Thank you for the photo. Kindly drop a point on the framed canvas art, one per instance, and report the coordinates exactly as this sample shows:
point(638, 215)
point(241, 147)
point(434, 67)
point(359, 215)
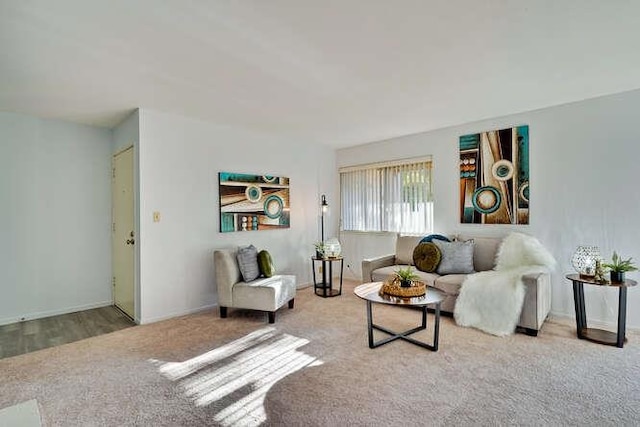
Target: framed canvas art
point(253, 202)
point(494, 177)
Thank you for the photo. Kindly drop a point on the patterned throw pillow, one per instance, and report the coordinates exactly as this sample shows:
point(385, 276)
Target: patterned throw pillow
point(248, 263)
point(457, 257)
point(426, 257)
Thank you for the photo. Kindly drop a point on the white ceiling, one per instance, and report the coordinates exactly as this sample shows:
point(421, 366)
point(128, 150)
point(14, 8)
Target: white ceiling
point(340, 72)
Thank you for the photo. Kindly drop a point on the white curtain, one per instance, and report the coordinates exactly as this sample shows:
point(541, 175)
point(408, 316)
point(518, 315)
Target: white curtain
point(392, 197)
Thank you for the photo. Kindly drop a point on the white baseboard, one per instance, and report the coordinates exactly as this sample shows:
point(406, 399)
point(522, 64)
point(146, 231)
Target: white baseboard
point(177, 314)
point(592, 323)
point(49, 313)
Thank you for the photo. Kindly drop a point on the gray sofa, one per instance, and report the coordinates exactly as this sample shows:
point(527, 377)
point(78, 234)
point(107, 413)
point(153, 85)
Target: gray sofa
point(537, 302)
point(265, 294)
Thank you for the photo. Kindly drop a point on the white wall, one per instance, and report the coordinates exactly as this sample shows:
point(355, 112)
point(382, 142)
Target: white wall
point(55, 217)
point(583, 160)
point(179, 163)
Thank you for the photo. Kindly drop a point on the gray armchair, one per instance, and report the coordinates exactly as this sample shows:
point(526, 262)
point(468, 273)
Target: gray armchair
point(264, 294)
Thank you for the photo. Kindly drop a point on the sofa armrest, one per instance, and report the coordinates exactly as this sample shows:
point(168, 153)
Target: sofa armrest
point(537, 300)
point(370, 264)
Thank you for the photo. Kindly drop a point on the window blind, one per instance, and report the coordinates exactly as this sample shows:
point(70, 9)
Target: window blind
point(393, 196)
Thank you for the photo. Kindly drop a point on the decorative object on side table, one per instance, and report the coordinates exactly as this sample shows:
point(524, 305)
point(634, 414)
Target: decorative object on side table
point(584, 260)
point(618, 266)
point(599, 274)
point(319, 249)
point(332, 248)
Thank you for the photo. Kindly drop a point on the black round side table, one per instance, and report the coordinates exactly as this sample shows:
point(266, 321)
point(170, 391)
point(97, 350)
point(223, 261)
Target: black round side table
point(325, 287)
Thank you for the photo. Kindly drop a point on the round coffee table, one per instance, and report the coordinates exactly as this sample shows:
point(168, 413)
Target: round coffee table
point(370, 292)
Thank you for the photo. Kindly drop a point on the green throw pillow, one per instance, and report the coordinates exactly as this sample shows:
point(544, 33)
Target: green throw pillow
point(265, 263)
point(426, 257)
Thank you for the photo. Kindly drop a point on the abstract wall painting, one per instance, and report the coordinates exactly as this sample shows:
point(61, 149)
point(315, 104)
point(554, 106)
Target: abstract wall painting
point(253, 202)
point(494, 177)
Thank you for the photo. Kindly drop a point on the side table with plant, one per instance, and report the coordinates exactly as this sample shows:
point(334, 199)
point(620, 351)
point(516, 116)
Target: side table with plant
point(618, 266)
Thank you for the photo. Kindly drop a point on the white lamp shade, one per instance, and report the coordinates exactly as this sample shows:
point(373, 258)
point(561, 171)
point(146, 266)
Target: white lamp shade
point(584, 259)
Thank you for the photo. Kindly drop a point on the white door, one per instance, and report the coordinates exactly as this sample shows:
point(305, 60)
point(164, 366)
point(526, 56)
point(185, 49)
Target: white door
point(123, 234)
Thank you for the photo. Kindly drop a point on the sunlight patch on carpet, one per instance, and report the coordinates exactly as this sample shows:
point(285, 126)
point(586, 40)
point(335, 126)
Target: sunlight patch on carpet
point(236, 377)
point(25, 414)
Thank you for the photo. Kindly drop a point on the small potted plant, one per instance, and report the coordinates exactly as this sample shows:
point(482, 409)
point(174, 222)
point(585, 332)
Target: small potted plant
point(406, 276)
point(618, 267)
point(319, 249)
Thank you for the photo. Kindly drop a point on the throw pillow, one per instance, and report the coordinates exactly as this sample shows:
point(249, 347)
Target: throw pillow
point(432, 237)
point(248, 263)
point(457, 257)
point(426, 257)
point(265, 263)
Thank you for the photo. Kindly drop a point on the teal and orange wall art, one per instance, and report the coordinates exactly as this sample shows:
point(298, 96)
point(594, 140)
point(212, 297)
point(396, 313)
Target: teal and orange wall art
point(494, 177)
point(253, 202)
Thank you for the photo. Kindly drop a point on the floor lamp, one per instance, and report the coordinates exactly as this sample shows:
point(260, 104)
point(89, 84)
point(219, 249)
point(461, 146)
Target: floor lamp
point(324, 207)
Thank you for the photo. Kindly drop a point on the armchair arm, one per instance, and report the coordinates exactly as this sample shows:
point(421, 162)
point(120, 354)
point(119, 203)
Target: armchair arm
point(370, 264)
point(227, 274)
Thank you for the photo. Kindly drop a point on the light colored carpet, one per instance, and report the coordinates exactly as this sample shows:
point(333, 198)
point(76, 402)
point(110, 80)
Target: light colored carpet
point(313, 367)
point(23, 414)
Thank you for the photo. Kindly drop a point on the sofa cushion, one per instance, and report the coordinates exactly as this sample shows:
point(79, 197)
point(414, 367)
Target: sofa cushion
point(248, 263)
point(484, 252)
point(457, 257)
point(450, 284)
point(386, 273)
point(404, 249)
point(426, 257)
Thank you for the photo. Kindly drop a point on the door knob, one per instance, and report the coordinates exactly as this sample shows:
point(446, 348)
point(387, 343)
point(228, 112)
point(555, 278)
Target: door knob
point(130, 241)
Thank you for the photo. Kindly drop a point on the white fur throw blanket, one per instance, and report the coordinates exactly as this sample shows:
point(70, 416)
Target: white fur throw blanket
point(492, 300)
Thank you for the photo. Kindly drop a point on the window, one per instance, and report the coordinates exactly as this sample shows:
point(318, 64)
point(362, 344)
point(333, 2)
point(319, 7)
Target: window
point(393, 196)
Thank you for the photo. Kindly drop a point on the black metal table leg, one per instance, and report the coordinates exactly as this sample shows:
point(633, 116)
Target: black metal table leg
point(370, 324)
point(405, 334)
point(578, 298)
point(622, 315)
point(436, 328)
point(341, 271)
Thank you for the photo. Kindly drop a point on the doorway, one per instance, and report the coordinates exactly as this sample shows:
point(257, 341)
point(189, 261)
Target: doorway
point(123, 236)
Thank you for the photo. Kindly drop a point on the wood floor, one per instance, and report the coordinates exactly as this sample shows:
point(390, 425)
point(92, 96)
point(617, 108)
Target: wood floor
point(31, 335)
